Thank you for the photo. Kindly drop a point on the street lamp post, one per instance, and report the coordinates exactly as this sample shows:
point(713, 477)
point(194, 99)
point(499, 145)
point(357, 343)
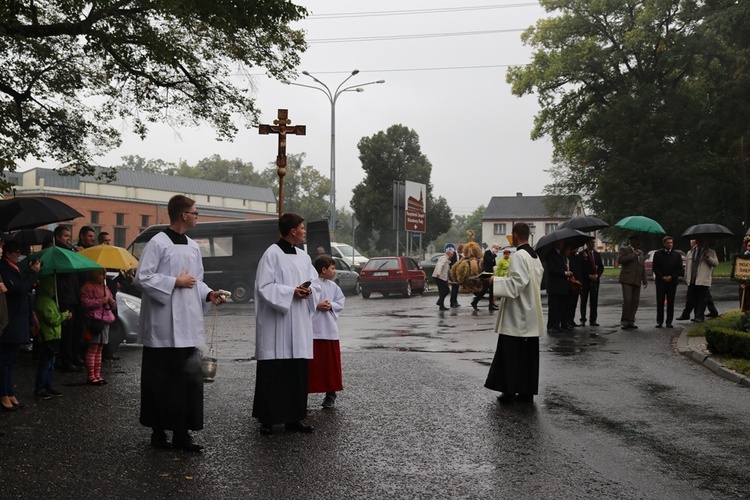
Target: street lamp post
point(332, 98)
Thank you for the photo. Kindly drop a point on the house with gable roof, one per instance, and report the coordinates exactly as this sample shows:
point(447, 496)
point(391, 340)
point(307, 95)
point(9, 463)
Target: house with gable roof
point(503, 212)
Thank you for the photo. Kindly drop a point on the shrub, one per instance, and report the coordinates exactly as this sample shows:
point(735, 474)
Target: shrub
point(727, 341)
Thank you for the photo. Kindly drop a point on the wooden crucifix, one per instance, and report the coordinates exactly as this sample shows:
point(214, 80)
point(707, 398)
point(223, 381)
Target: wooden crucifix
point(281, 126)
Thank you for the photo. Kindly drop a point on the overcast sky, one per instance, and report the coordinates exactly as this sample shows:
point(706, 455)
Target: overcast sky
point(449, 88)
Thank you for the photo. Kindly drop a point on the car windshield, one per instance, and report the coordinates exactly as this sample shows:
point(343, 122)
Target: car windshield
point(384, 264)
point(348, 250)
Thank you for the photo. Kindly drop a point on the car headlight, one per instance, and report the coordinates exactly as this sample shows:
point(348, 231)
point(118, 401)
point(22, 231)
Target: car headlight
point(132, 303)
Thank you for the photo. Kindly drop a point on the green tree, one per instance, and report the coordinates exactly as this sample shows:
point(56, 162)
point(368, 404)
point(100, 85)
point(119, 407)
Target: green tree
point(215, 168)
point(140, 164)
point(70, 68)
point(393, 155)
point(636, 97)
point(306, 190)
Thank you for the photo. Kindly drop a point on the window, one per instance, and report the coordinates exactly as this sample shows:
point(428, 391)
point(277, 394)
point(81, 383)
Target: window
point(549, 227)
point(94, 217)
point(499, 229)
point(120, 220)
point(120, 233)
point(144, 220)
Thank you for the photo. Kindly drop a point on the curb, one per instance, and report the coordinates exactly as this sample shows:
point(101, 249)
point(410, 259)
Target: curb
point(687, 346)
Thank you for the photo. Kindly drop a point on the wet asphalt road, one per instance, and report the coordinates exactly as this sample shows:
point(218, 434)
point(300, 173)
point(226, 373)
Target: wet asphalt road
point(619, 415)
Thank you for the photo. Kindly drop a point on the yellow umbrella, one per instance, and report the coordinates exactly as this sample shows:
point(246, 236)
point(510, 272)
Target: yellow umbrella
point(110, 257)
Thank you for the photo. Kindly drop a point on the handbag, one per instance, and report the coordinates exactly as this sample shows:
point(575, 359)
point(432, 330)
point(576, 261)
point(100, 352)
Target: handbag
point(96, 326)
point(574, 286)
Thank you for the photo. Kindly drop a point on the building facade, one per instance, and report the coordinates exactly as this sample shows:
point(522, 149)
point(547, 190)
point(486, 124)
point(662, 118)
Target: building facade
point(503, 212)
point(136, 200)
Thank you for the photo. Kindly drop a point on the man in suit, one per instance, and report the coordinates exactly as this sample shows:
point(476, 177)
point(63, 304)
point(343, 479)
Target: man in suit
point(592, 267)
point(701, 261)
point(632, 274)
point(488, 266)
point(667, 268)
point(556, 267)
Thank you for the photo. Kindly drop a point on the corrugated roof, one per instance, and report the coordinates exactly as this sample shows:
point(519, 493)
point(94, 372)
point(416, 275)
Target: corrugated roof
point(523, 207)
point(161, 182)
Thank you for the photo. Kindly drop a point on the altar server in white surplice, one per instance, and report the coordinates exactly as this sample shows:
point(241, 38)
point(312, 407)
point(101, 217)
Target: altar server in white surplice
point(174, 300)
point(285, 300)
point(520, 323)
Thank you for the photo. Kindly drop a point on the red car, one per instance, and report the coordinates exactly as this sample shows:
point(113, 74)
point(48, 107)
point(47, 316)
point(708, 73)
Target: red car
point(649, 264)
point(392, 275)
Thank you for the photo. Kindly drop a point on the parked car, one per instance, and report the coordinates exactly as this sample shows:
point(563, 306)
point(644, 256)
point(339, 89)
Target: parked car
point(392, 275)
point(649, 264)
point(345, 278)
point(125, 327)
point(428, 266)
point(348, 253)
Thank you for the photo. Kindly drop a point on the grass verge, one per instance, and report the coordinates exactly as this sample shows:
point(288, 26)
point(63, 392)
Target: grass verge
point(726, 320)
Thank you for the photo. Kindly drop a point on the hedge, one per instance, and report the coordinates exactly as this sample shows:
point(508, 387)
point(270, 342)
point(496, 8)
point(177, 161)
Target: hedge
point(728, 342)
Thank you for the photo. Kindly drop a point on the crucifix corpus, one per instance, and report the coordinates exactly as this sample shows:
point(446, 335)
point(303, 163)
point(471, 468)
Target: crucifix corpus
point(281, 126)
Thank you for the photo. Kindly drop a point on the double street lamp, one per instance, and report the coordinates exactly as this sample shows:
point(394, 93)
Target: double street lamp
point(332, 98)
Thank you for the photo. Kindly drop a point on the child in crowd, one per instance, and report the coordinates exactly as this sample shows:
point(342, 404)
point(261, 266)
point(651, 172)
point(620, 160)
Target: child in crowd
point(99, 305)
point(50, 321)
point(324, 370)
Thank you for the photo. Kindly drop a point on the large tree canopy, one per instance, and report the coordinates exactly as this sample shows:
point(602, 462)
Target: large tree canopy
point(70, 68)
point(393, 155)
point(645, 102)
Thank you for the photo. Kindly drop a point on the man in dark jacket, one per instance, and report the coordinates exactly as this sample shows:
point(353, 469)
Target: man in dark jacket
point(592, 267)
point(556, 268)
point(667, 267)
point(488, 266)
point(68, 296)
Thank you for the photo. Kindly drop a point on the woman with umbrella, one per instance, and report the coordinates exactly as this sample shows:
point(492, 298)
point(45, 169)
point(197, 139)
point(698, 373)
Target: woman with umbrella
point(19, 319)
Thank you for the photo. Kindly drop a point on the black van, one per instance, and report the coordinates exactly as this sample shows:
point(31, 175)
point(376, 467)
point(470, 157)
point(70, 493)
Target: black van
point(231, 250)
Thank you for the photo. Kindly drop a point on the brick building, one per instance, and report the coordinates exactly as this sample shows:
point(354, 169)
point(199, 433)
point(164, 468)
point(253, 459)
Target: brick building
point(137, 200)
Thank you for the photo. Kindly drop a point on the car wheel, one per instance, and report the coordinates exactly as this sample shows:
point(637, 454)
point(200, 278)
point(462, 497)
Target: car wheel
point(240, 292)
point(407, 291)
point(357, 288)
point(365, 294)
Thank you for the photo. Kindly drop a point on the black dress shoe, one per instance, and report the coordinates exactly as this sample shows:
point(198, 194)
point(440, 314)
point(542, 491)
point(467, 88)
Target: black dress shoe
point(266, 430)
point(299, 427)
point(506, 398)
point(493, 308)
point(455, 305)
point(525, 398)
point(658, 325)
point(683, 318)
point(669, 325)
point(594, 324)
point(443, 308)
point(159, 440)
point(474, 305)
point(712, 315)
point(185, 442)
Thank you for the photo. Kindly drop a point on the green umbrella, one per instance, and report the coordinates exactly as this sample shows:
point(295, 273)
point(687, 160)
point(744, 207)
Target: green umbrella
point(641, 224)
point(56, 260)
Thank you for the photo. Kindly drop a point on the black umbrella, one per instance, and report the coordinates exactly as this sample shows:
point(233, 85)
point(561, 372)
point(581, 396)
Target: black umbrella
point(584, 223)
point(572, 237)
point(30, 212)
point(708, 230)
point(34, 236)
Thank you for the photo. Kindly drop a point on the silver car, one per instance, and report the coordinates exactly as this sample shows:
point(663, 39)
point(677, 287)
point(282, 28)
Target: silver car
point(125, 327)
point(345, 278)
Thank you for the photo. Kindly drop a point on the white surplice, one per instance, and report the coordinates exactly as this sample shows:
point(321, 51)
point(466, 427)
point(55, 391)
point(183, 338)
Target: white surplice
point(171, 317)
point(283, 322)
point(520, 313)
point(325, 325)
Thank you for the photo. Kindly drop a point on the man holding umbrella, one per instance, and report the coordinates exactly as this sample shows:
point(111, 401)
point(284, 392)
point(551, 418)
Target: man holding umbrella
point(701, 261)
point(632, 274)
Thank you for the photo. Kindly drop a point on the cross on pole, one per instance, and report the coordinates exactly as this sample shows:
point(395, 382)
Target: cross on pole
point(281, 126)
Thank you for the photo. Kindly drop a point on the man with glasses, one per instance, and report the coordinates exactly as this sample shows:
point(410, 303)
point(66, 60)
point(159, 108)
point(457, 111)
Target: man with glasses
point(174, 301)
